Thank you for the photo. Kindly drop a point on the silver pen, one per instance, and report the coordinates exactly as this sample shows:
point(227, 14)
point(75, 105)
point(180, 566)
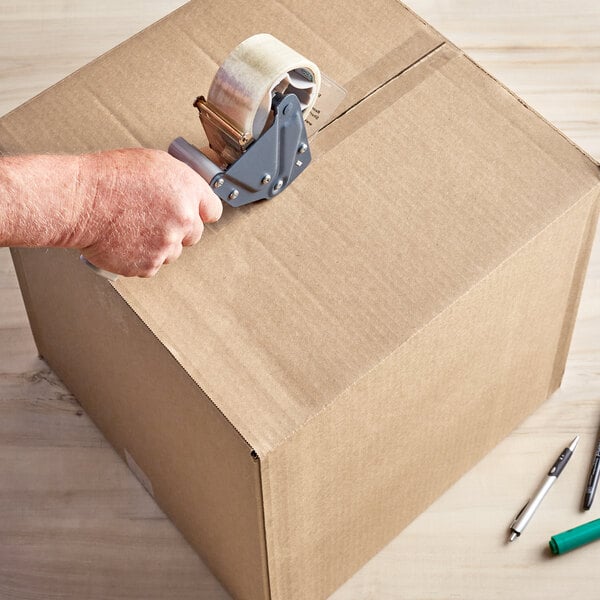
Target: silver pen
point(525, 514)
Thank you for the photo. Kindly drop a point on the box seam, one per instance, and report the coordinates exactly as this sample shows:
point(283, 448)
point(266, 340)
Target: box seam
point(388, 81)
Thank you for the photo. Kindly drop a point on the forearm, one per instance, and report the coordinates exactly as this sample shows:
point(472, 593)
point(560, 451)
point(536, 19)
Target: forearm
point(129, 211)
point(41, 201)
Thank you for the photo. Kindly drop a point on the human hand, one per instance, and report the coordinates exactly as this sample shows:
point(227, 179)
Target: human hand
point(139, 208)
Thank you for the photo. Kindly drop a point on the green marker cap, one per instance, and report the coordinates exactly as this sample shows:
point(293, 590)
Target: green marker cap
point(573, 538)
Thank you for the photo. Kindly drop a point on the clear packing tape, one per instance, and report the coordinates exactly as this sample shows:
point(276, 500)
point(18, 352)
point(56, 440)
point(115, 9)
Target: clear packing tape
point(244, 85)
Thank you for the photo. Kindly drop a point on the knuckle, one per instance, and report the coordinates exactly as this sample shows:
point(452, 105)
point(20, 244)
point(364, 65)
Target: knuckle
point(198, 235)
point(180, 214)
point(169, 238)
point(156, 263)
point(150, 266)
point(188, 218)
point(194, 234)
point(171, 259)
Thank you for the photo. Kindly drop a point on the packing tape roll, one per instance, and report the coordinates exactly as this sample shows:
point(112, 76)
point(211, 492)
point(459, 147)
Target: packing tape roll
point(245, 83)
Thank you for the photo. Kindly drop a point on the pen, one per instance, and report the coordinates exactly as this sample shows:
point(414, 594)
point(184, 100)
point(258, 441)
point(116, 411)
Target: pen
point(525, 514)
point(592, 484)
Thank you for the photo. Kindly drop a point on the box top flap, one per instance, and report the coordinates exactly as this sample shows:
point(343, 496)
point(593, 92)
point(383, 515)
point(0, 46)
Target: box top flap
point(431, 177)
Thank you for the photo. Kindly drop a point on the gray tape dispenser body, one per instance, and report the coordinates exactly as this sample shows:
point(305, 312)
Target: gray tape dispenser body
point(265, 167)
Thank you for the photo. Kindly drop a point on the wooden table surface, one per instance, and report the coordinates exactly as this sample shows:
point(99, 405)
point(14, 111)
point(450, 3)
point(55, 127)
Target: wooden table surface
point(74, 522)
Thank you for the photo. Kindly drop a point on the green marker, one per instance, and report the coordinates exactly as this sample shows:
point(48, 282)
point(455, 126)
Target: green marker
point(573, 538)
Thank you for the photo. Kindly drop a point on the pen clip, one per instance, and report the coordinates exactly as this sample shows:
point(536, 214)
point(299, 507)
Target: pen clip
point(520, 512)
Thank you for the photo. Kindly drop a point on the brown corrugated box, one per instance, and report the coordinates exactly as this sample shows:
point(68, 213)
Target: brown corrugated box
point(311, 376)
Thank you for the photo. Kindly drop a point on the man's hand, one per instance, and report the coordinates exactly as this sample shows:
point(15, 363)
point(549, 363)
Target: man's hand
point(129, 211)
point(141, 208)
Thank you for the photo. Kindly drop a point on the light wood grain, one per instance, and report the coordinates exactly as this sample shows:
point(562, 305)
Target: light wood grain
point(75, 524)
point(548, 51)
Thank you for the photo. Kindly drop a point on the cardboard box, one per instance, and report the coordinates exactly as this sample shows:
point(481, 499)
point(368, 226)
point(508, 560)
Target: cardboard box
point(310, 377)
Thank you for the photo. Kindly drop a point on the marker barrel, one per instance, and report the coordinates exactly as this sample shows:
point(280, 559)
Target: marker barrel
point(576, 537)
